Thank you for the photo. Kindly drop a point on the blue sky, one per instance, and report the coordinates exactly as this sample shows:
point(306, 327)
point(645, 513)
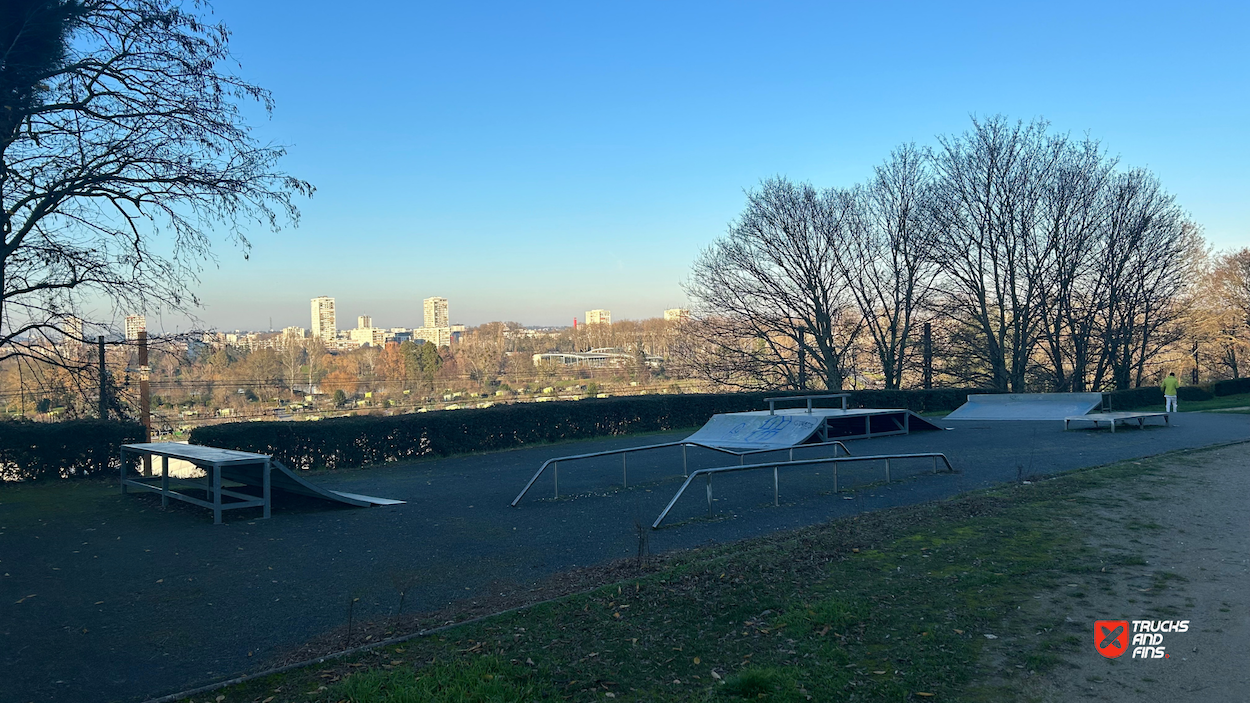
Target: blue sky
point(532, 161)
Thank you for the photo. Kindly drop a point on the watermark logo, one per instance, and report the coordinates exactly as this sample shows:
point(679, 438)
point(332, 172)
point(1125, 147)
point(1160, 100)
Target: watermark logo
point(1111, 637)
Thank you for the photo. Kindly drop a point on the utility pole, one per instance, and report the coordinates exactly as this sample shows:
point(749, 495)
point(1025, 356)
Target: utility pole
point(1194, 349)
point(145, 400)
point(802, 360)
point(928, 356)
point(104, 383)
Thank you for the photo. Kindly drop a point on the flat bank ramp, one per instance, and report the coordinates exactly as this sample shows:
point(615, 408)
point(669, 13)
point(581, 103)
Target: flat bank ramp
point(1026, 406)
point(762, 429)
point(283, 479)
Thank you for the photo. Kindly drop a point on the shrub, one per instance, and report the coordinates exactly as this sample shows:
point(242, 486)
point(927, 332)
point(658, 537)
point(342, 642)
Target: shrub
point(32, 451)
point(1135, 398)
point(1233, 386)
point(1192, 393)
point(361, 441)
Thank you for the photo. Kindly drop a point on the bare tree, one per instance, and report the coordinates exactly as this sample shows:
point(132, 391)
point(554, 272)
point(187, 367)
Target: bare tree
point(1148, 258)
point(122, 148)
point(1073, 223)
point(886, 256)
point(988, 200)
point(771, 283)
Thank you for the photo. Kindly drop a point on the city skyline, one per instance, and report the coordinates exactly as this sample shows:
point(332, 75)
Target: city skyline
point(528, 138)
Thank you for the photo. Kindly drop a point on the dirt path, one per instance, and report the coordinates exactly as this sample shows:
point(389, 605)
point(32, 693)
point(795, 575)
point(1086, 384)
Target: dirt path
point(1176, 546)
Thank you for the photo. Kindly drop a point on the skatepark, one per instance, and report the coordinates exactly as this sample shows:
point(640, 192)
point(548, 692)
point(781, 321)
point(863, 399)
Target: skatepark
point(149, 602)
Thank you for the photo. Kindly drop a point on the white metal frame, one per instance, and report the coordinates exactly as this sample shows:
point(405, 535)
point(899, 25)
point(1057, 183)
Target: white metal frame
point(212, 463)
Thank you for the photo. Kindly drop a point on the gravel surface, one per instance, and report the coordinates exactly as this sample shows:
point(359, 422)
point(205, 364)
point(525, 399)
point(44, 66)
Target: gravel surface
point(1191, 527)
point(131, 602)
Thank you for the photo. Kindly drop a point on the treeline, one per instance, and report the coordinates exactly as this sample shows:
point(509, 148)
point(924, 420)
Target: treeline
point(1038, 261)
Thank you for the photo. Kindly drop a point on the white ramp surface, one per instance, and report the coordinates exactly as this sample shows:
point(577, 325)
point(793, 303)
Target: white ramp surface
point(757, 431)
point(1026, 406)
point(782, 429)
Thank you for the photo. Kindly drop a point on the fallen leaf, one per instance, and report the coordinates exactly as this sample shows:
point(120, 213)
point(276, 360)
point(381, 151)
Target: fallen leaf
point(878, 672)
point(922, 693)
point(959, 632)
point(697, 661)
point(991, 637)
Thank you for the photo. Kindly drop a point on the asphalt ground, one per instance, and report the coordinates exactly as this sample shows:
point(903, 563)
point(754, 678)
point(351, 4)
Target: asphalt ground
point(126, 601)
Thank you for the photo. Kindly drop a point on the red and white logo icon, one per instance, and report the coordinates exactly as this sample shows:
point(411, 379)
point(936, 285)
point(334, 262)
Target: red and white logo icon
point(1111, 637)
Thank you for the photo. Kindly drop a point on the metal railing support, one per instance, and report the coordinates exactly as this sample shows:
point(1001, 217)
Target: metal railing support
point(686, 472)
point(707, 474)
point(741, 454)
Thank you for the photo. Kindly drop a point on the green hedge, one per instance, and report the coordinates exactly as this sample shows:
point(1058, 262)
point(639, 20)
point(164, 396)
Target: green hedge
point(361, 441)
point(32, 451)
point(1135, 398)
point(1233, 386)
point(1152, 396)
point(1192, 393)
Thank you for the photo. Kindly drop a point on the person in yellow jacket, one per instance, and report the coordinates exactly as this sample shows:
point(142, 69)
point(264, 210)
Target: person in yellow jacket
point(1169, 386)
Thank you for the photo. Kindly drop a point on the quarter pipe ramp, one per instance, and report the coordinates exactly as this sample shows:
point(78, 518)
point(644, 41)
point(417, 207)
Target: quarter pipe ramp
point(283, 479)
point(1026, 406)
point(782, 429)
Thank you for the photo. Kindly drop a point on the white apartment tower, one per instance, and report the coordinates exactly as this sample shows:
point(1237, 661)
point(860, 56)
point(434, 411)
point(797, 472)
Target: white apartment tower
point(364, 322)
point(598, 317)
point(134, 325)
point(436, 313)
point(323, 325)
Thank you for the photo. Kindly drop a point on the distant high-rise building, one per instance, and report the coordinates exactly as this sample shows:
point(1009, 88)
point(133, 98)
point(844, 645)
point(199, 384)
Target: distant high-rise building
point(674, 314)
point(364, 322)
point(598, 317)
point(323, 324)
point(73, 329)
point(134, 325)
point(436, 313)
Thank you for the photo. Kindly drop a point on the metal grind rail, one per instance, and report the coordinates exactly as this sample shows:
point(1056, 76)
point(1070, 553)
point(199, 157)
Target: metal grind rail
point(707, 473)
point(555, 463)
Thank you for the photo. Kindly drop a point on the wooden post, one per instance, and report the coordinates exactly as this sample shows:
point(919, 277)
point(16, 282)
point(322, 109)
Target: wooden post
point(928, 356)
point(104, 382)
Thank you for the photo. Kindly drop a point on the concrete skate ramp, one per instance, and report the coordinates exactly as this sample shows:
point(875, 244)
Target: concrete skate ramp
point(1026, 406)
point(790, 428)
point(283, 479)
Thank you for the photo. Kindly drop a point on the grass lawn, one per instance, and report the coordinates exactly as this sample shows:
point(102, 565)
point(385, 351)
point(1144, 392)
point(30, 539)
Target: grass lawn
point(888, 606)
